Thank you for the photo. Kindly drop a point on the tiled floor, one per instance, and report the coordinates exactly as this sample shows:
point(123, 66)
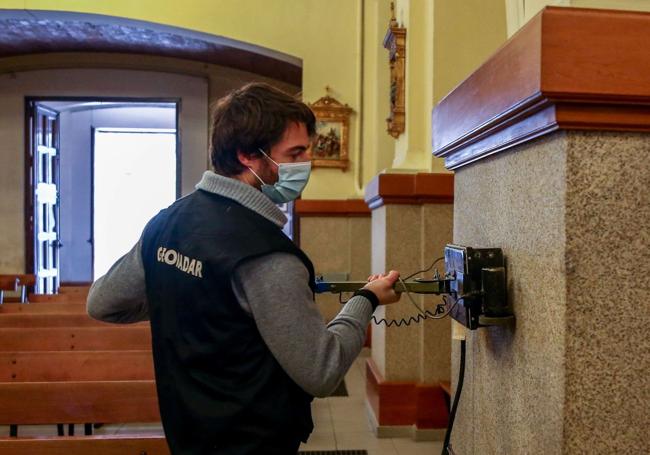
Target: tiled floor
point(341, 423)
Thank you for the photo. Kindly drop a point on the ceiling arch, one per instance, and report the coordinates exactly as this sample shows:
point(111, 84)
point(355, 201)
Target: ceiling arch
point(36, 32)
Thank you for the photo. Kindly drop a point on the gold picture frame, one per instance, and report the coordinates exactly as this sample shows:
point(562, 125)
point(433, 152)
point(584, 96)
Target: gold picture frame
point(330, 146)
point(395, 43)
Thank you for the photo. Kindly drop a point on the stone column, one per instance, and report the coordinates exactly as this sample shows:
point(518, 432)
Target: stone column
point(571, 211)
point(335, 234)
point(411, 223)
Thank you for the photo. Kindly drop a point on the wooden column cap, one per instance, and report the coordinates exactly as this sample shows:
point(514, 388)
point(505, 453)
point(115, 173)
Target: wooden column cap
point(332, 207)
point(414, 189)
point(568, 68)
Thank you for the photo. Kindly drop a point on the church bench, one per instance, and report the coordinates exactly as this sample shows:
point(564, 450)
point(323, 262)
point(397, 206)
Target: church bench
point(74, 290)
point(7, 283)
point(62, 366)
point(45, 307)
point(57, 298)
point(37, 319)
point(22, 283)
point(78, 402)
point(95, 445)
point(104, 338)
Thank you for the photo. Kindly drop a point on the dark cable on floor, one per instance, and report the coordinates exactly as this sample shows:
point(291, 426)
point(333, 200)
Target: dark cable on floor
point(459, 387)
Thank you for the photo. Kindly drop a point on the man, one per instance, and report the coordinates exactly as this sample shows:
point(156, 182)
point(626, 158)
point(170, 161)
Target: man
point(239, 346)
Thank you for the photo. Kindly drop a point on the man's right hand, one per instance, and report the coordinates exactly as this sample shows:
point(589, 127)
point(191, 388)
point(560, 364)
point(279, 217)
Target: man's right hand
point(382, 286)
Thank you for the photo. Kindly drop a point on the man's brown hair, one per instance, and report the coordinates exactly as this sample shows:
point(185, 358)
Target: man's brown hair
point(250, 118)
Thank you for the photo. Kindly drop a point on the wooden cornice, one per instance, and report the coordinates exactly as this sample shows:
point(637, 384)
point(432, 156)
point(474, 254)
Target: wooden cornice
point(331, 208)
point(568, 68)
point(412, 189)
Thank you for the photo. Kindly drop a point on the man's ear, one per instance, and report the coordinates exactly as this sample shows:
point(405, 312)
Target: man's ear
point(245, 159)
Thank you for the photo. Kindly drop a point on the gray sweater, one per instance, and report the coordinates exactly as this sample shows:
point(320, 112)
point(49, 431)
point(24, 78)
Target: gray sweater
point(272, 289)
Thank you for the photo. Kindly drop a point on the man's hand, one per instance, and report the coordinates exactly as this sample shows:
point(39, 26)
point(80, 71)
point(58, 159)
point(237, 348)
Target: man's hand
point(382, 286)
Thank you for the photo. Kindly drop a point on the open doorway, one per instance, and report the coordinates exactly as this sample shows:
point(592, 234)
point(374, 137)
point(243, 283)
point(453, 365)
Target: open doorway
point(134, 176)
point(115, 163)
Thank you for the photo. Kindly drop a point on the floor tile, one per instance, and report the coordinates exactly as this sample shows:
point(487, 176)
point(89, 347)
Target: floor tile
point(365, 440)
point(320, 440)
point(405, 446)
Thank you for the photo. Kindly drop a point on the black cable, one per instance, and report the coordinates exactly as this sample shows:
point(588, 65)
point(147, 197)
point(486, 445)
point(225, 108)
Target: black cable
point(454, 407)
point(420, 317)
point(425, 270)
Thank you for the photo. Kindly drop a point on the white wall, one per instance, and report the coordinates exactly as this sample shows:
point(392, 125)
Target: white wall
point(14, 87)
point(76, 255)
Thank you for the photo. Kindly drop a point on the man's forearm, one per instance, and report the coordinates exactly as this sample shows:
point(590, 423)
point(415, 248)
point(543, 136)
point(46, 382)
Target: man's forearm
point(120, 295)
point(314, 355)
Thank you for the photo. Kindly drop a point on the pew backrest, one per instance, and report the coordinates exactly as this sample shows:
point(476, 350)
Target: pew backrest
point(61, 366)
point(44, 307)
point(128, 337)
point(35, 320)
point(85, 445)
point(57, 298)
point(7, 283)
point(41, 403)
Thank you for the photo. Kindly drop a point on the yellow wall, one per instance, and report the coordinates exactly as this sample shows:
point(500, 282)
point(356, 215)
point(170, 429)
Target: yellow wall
point(340, 43)
point(324, 34)
point(466, 33)
point(446, 41)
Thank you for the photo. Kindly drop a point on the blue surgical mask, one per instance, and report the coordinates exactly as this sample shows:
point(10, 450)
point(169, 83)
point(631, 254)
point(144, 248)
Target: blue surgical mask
point(292, 179)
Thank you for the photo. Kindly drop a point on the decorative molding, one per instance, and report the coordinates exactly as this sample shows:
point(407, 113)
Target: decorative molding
point(395, 43)
point(405, 403)
point(413, 189)
point(332, 208)
point(568, 68)
point(40, 32)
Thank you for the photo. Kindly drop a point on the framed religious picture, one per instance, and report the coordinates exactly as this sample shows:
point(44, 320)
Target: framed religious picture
point(330, 147)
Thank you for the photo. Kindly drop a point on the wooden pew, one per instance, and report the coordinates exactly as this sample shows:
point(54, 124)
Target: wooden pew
point(78, 402)
point(74, 290)
point(26, 282)
point(62, 366)
point(104, 338)
point(45, 307)
point(57, 298)
point(34, 320)
point(95, 445)
point(7, 283)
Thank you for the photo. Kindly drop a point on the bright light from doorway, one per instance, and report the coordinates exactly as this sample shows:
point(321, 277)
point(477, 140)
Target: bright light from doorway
point(134, 178)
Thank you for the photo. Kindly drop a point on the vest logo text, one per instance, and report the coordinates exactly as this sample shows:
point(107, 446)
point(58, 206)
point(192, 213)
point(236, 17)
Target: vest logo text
point(182, 263)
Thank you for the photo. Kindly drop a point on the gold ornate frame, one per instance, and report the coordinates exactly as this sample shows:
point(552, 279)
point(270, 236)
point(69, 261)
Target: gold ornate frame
point(395, 43)
point(331, 111)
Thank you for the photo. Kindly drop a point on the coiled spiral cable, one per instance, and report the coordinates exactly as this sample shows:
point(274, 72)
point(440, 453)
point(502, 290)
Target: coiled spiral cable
point(422, 315)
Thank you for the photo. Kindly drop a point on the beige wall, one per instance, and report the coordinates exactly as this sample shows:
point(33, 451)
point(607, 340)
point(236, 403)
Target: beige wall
point(336, 245)
point(86, 82)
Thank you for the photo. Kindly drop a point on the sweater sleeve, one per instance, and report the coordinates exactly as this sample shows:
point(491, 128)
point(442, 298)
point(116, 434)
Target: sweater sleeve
point(120, 295)
point(274, 289)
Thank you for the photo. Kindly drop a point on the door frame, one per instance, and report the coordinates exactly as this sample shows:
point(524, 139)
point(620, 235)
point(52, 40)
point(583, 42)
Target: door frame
point(29, 162)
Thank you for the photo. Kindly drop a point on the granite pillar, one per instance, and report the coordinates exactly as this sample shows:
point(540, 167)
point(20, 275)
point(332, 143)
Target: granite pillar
point(571, 213)
point(551, 161)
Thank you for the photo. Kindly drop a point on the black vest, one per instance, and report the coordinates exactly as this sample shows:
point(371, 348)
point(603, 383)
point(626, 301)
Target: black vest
point(220, 389)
